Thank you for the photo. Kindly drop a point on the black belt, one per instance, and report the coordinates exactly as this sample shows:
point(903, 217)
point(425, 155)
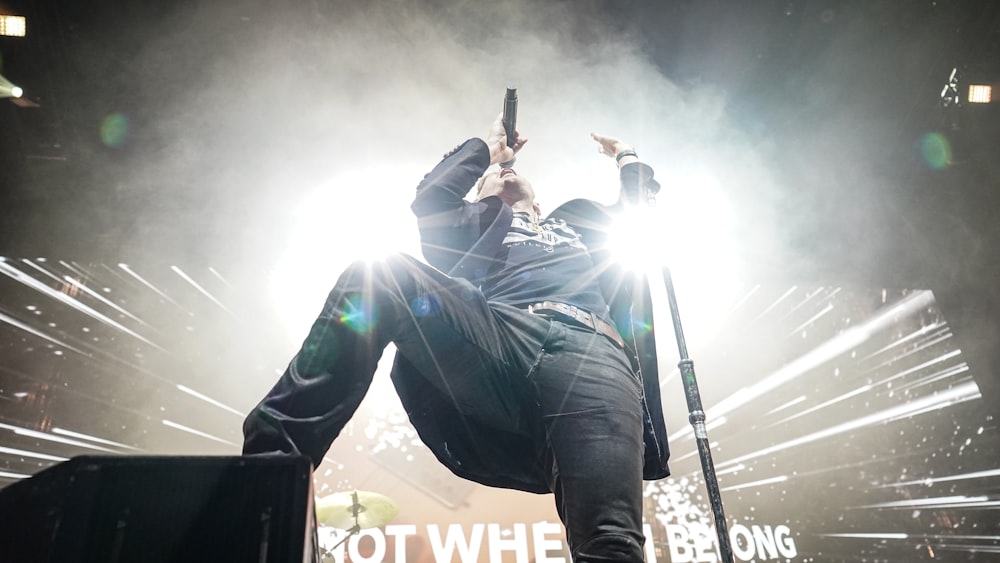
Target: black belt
point(572, 313)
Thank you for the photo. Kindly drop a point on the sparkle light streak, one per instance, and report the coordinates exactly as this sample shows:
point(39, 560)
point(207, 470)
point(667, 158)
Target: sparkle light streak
point(691, 453)
point(140, 279)
point(734, 469)
point(904, 340)
point(919, 367)
point(866, 388)
point(870, 535)
point(18, 275)
point(858, 391)
point(83, 287)
point(957, 394)
point(201, 289)
point(210, 400)
point(937, 502)
point(808, 301)
point(941, 375)
point(75, 269)
point(762, 482)
point(929, 481)
point(791, 403)
point(190, 430)
point(811, 320)
point(825, 352)
point(90, 438)
point(215, 273)
point(772, 306)
point(29, 329)
point(46, 436)
point(843, 397)
point(916, 349)
point(971, 548)
point(746, 297)
point(36, 455)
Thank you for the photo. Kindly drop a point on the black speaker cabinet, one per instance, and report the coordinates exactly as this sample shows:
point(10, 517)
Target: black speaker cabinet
point(162, 509)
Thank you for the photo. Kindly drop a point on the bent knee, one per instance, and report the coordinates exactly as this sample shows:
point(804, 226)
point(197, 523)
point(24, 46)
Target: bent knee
point(610, 547)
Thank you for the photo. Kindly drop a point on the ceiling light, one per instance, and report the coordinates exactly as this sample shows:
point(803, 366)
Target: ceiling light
point(980, 93)
point(12, 26)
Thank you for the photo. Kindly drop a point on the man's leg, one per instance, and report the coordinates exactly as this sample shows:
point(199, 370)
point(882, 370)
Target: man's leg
point(442, 325)
point(592, 415)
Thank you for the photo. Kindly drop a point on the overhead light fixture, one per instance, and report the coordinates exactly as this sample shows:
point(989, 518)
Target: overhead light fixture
point(972, 84)
point(949, 94)
point(980, 93)
point(12, 26)
point(8, 90)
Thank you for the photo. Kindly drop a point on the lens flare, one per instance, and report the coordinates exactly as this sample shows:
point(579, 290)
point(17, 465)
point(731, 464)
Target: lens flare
point(114, 130)
point(360, 314)
point(936, 150)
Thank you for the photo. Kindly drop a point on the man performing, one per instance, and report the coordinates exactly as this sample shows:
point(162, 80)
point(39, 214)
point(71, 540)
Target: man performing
point(525, 354)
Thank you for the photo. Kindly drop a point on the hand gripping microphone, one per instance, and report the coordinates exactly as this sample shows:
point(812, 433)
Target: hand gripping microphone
point(509, 121)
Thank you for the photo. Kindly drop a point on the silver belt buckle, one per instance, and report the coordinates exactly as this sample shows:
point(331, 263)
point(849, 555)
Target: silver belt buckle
point(569, 310)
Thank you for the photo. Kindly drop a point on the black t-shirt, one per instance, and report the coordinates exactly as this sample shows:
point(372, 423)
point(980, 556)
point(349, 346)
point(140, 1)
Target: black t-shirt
point(545, 261)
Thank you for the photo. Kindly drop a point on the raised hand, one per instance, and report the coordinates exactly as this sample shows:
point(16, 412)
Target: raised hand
point(611, 146)
point(496, 140)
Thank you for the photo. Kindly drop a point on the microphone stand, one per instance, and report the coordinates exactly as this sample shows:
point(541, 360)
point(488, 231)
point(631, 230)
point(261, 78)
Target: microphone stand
point(696, 413)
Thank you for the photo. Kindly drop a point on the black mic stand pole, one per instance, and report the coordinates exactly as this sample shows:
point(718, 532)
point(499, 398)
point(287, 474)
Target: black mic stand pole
point(696, 414)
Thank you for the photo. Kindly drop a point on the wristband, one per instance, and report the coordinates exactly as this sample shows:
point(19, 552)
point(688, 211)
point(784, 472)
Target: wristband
point(624, 153)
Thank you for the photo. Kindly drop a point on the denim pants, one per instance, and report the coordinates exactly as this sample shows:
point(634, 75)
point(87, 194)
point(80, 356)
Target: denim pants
point(572, 389)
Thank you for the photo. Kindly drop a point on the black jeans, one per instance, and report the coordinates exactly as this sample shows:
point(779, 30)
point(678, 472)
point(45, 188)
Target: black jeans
point(572, 388)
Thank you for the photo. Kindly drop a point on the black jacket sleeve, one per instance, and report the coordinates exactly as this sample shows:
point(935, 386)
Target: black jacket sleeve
point(449, 225)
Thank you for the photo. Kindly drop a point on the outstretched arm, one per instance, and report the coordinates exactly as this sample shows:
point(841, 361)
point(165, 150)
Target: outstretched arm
point(621, 151)
point(637, 181)
point(449, 225)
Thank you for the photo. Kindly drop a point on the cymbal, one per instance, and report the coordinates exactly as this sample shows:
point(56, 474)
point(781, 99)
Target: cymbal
point(363, 509)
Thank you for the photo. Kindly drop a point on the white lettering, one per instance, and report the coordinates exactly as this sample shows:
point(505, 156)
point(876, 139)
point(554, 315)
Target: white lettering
point(742, 542)
point(378, 554)
point(444, 551)
point(703, 538)
point(691, 544)
point(543, 545)
point(786, 544)
point(649, 546)
point(399, 533)
point(761, 542)
point(518, 544)
point(678, 539)
point(764, 539)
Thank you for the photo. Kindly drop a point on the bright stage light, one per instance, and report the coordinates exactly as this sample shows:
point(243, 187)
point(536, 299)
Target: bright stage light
point(12, 26)
point(9, 90)
point(690, 231)
point(637, 239)
point(980, 93)
point(361, 215)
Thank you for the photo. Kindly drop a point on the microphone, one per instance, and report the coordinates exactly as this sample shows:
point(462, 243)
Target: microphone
point(509, 121)
point(510, 115)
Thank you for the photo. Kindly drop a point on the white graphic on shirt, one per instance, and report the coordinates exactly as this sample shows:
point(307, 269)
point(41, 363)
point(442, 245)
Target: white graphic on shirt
point(548, 234)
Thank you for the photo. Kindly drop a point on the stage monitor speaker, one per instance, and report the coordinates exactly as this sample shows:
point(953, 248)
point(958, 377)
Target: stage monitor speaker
point(162, 509)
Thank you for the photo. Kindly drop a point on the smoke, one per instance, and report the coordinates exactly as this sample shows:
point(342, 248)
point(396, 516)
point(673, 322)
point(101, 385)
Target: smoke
point(241, 114)
point(248, 108)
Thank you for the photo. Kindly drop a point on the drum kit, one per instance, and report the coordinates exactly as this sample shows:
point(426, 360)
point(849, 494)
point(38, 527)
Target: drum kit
point(354, 511)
